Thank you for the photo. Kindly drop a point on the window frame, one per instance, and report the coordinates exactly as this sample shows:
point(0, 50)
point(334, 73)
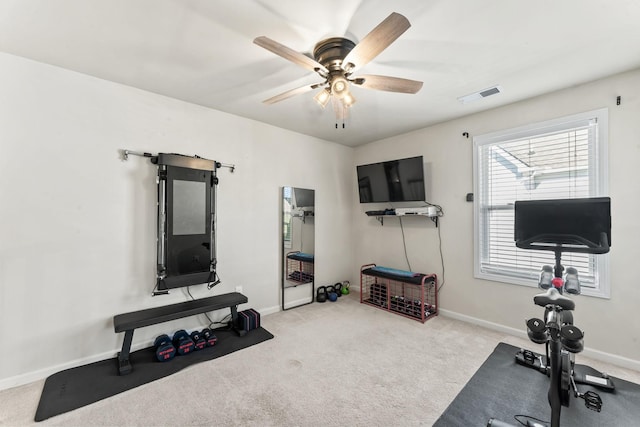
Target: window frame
point(598, 169)
point(287, 217)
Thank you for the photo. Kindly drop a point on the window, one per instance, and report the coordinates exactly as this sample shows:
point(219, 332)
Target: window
point(287, 200)
point(557, 159)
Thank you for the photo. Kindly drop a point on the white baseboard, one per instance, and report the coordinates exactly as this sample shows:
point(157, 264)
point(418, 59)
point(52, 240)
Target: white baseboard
point(602, 356)
point(41, 374)
point(623, 362)
point(484, 323)
point(270, 310)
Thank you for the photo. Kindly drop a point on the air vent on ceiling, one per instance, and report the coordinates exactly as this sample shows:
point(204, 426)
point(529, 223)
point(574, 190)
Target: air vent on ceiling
point(480, 94)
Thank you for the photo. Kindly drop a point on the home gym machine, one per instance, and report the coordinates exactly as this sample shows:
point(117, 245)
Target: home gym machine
point(570, 225)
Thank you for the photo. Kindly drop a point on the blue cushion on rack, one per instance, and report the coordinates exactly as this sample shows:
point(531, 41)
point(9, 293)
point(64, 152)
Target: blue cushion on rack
point(395, 271)
point(301, 256)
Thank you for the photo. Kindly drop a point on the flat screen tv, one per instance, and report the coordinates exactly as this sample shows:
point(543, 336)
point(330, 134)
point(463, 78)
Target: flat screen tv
point(304, 198)
point(399, 180)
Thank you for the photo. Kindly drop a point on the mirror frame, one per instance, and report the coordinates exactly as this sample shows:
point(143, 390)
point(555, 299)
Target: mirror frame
point(297, 266)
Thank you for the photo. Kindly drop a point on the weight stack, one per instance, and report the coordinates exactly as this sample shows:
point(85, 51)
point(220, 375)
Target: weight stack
point(248, 319)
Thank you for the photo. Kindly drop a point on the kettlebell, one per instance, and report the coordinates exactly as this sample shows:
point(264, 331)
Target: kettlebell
point(345, 287)
point(321, 294)
point(338, 288)
point(331, 293)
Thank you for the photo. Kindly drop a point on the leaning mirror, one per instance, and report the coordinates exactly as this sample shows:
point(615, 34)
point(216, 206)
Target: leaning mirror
point(298, 240)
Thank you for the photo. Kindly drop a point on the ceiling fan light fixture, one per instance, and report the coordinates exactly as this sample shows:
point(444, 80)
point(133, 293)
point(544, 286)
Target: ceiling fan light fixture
point(322, 97)
point(348, 100)
point(339, 87)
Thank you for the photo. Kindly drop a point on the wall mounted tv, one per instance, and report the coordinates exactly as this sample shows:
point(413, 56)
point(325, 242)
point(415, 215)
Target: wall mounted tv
point(399, 180)
point(304, 198)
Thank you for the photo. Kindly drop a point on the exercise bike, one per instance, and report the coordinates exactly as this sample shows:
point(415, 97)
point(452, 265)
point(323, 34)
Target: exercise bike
point(573, 225)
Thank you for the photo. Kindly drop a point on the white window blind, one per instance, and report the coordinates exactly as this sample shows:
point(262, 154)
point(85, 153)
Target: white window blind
point(287, 200)
point(559, 159)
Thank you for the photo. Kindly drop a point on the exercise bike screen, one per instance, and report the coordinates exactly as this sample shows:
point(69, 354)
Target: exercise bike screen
point(587, 218)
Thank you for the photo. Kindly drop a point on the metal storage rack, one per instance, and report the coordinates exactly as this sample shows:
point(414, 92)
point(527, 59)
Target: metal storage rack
point(299, 268)
point(414, 296)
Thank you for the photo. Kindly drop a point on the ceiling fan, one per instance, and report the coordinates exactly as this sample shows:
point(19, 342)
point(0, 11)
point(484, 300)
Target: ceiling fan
point(336, 59)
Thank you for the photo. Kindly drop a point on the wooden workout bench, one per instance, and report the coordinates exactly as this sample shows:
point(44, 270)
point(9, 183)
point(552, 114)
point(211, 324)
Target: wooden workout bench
point(128, 322)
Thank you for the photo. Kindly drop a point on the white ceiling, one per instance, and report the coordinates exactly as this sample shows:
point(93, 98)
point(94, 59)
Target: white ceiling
point(201, 51)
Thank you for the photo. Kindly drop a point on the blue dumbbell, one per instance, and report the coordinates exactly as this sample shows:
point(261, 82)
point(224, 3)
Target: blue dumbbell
point(198, 340)
point(209, 337)
point(183, 342)
point(165, 350)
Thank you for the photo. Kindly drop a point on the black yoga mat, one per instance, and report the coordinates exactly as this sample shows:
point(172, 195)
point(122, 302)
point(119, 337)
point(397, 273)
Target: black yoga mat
point(81, 386)
point(501, 389)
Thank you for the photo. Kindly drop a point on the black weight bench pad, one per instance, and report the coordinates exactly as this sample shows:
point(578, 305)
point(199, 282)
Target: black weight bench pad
point(77, 387)
point(155, 315)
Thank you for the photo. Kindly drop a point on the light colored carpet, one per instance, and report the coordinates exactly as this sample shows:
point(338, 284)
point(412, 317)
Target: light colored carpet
point(331, 364)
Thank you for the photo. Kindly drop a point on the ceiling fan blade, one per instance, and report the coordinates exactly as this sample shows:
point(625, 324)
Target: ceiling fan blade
point(376, 41)
point(289, 54)
point(387, 83)
point(292, 92)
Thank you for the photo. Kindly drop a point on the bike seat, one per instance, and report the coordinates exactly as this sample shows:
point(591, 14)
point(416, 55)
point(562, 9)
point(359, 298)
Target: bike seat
point(552, 296)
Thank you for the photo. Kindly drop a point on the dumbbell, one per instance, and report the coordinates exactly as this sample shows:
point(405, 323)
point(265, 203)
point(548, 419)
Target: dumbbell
point(417, 308)
point(164, 348)
point(198, 340)
point(183, 342)
point(571, 281)
point(546, 276)
point(209, 337)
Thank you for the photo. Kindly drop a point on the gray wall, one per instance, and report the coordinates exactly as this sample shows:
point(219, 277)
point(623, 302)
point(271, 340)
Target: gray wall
point(608, 323)
point(78, 223)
